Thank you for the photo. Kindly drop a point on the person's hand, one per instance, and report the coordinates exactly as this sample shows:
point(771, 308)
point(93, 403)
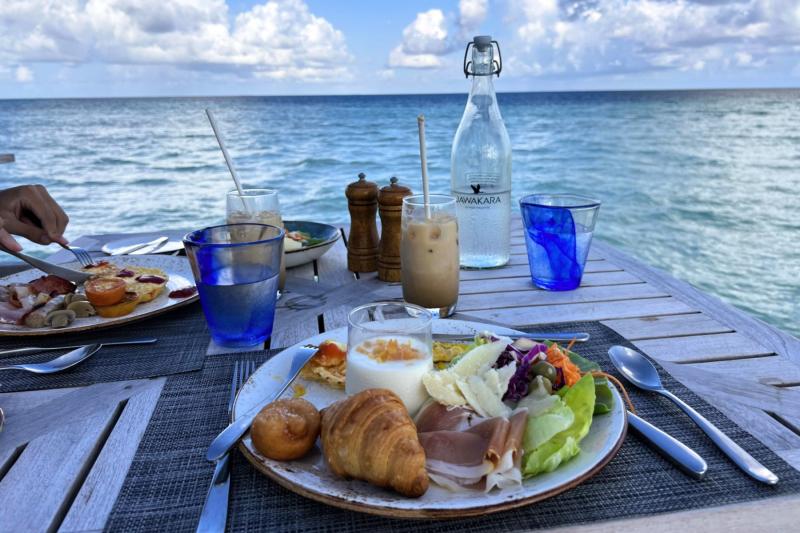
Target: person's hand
point(30, 211)
point(7, 240)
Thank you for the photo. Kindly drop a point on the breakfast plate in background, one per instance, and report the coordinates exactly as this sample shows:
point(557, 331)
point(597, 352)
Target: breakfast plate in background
point(176, 268)
point(320, 239)
point(310, 476)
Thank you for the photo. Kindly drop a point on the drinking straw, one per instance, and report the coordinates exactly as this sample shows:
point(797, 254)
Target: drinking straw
point(423, 157)
point(228, 160)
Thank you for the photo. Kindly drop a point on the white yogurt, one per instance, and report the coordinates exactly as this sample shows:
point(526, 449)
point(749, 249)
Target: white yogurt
point(404, 378)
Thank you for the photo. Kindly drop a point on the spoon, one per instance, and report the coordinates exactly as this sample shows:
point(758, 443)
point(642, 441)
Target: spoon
point(59, 363)
point(641, 372)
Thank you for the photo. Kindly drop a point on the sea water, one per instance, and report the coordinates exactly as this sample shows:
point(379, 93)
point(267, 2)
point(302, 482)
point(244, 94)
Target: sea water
point(238, 313)
point(702, 184)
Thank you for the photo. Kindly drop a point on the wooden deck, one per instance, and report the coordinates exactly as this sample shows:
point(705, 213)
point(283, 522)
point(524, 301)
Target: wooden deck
point(64, 453)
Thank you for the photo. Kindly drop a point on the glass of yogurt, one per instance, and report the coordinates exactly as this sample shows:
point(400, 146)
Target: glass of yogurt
point(255, 206)
point(389, 347)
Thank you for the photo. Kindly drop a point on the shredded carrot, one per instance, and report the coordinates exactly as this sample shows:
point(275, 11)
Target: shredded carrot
point(557, 358)
point(571, 343)
point(600, 373)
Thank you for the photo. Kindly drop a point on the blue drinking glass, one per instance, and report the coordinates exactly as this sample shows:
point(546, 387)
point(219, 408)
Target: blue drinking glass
point(236, 268)
point(558, 234)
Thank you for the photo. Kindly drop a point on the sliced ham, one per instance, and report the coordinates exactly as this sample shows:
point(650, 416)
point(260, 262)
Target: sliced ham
point(19, 300)
point(10, 314)
point(467, 451)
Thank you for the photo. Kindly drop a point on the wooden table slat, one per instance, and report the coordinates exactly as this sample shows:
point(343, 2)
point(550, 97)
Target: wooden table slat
point(666, 326)
point(44, 477)
point(586, 311)
point(702, 347)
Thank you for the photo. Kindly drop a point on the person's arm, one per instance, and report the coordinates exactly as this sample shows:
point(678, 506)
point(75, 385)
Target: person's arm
point(30, 211)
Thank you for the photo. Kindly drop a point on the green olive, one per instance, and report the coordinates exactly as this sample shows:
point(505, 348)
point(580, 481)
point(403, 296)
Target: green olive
point(546, 370)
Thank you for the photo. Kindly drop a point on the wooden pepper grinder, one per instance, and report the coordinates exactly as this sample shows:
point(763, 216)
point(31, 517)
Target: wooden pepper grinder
point(362, 244)
point(390, 202)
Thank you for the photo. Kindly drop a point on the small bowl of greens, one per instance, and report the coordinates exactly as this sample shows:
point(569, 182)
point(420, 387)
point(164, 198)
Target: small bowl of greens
point(306, 241)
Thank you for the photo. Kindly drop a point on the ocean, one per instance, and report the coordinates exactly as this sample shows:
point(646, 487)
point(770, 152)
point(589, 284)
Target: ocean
point(703, 184)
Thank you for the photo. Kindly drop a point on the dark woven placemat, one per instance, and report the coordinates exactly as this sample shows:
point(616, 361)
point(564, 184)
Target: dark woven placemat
point(182, 343)
point(167, 483)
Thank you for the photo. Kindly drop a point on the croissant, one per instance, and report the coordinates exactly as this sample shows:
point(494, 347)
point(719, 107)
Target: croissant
point(370, 436)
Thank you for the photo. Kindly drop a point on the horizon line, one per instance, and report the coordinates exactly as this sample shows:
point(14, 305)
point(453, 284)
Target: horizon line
point(573, 91)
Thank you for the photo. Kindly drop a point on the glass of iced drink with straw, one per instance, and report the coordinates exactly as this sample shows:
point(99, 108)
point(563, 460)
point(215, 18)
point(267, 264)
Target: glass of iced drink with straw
point(255, 206)
point(429, 259)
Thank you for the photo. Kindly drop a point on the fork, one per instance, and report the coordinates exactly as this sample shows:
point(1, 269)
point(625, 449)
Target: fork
point(215, 510)
point(83, 256)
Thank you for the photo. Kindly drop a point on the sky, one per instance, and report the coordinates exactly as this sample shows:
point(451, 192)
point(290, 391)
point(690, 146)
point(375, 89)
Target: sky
point(105, 48)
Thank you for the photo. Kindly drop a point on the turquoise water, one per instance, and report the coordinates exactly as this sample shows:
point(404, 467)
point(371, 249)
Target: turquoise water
point(702, 184)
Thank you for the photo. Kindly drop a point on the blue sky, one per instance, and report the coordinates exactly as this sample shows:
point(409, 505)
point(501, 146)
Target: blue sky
point(88, 48)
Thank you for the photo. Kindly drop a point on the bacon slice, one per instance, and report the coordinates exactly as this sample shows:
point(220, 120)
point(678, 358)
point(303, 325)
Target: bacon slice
point(467, 451)
point(52, 285)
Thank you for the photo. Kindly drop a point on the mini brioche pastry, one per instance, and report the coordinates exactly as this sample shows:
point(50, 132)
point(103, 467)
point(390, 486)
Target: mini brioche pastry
point(286, 429)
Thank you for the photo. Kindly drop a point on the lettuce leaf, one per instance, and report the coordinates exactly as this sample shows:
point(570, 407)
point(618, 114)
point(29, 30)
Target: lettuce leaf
point(545, 448)
point(604, 399)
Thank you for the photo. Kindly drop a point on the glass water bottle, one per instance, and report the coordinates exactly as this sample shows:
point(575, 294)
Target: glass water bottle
point(480, 165)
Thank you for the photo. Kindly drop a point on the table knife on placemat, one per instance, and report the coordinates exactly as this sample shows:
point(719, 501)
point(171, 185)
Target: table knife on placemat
point(674, 450)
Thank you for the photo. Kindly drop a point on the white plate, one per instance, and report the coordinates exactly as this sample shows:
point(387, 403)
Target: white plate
point(177, 268)
point(310, 476)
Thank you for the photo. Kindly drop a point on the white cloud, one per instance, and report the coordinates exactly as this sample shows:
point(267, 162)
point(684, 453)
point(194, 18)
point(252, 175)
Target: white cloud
point(400, 59)
point(611, 36)
point(280, 39)
point(433, 34)
point(23, 74)
point(472, 13)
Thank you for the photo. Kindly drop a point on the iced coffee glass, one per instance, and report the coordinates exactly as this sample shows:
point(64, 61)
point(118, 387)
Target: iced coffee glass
point(256, 206)
point(429, 258)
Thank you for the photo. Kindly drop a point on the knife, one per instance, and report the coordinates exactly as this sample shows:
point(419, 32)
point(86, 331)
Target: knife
point(39, 349)
point(674, 450)
point(578, 336)
point(50, 268)
point(151, 247)
point(215, 510)
point(133, 247)
point(231, 434)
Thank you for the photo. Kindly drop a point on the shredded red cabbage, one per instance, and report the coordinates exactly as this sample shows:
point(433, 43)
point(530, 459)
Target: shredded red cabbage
point(518, 385)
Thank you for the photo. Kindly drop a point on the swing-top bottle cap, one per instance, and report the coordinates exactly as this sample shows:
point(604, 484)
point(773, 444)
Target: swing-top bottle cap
point(482, 42)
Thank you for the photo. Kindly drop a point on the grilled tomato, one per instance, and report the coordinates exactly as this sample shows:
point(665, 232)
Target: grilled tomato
point(105, 291)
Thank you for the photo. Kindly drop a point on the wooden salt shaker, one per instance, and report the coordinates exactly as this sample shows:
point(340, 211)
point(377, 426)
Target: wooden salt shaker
point(362, 244)
point(390, 202)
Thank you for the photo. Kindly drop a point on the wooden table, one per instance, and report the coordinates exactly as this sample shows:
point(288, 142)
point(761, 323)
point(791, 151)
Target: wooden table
point(64, 453)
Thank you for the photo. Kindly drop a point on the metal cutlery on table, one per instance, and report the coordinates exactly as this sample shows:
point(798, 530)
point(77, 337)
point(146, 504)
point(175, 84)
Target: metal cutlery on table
point(674, 450)
point(50, 268)
point(640, 371)
point(215, 510)
point(58, 364)
point(39, 349)
point(577, 336)
point(231, 434)
point(141, 248)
